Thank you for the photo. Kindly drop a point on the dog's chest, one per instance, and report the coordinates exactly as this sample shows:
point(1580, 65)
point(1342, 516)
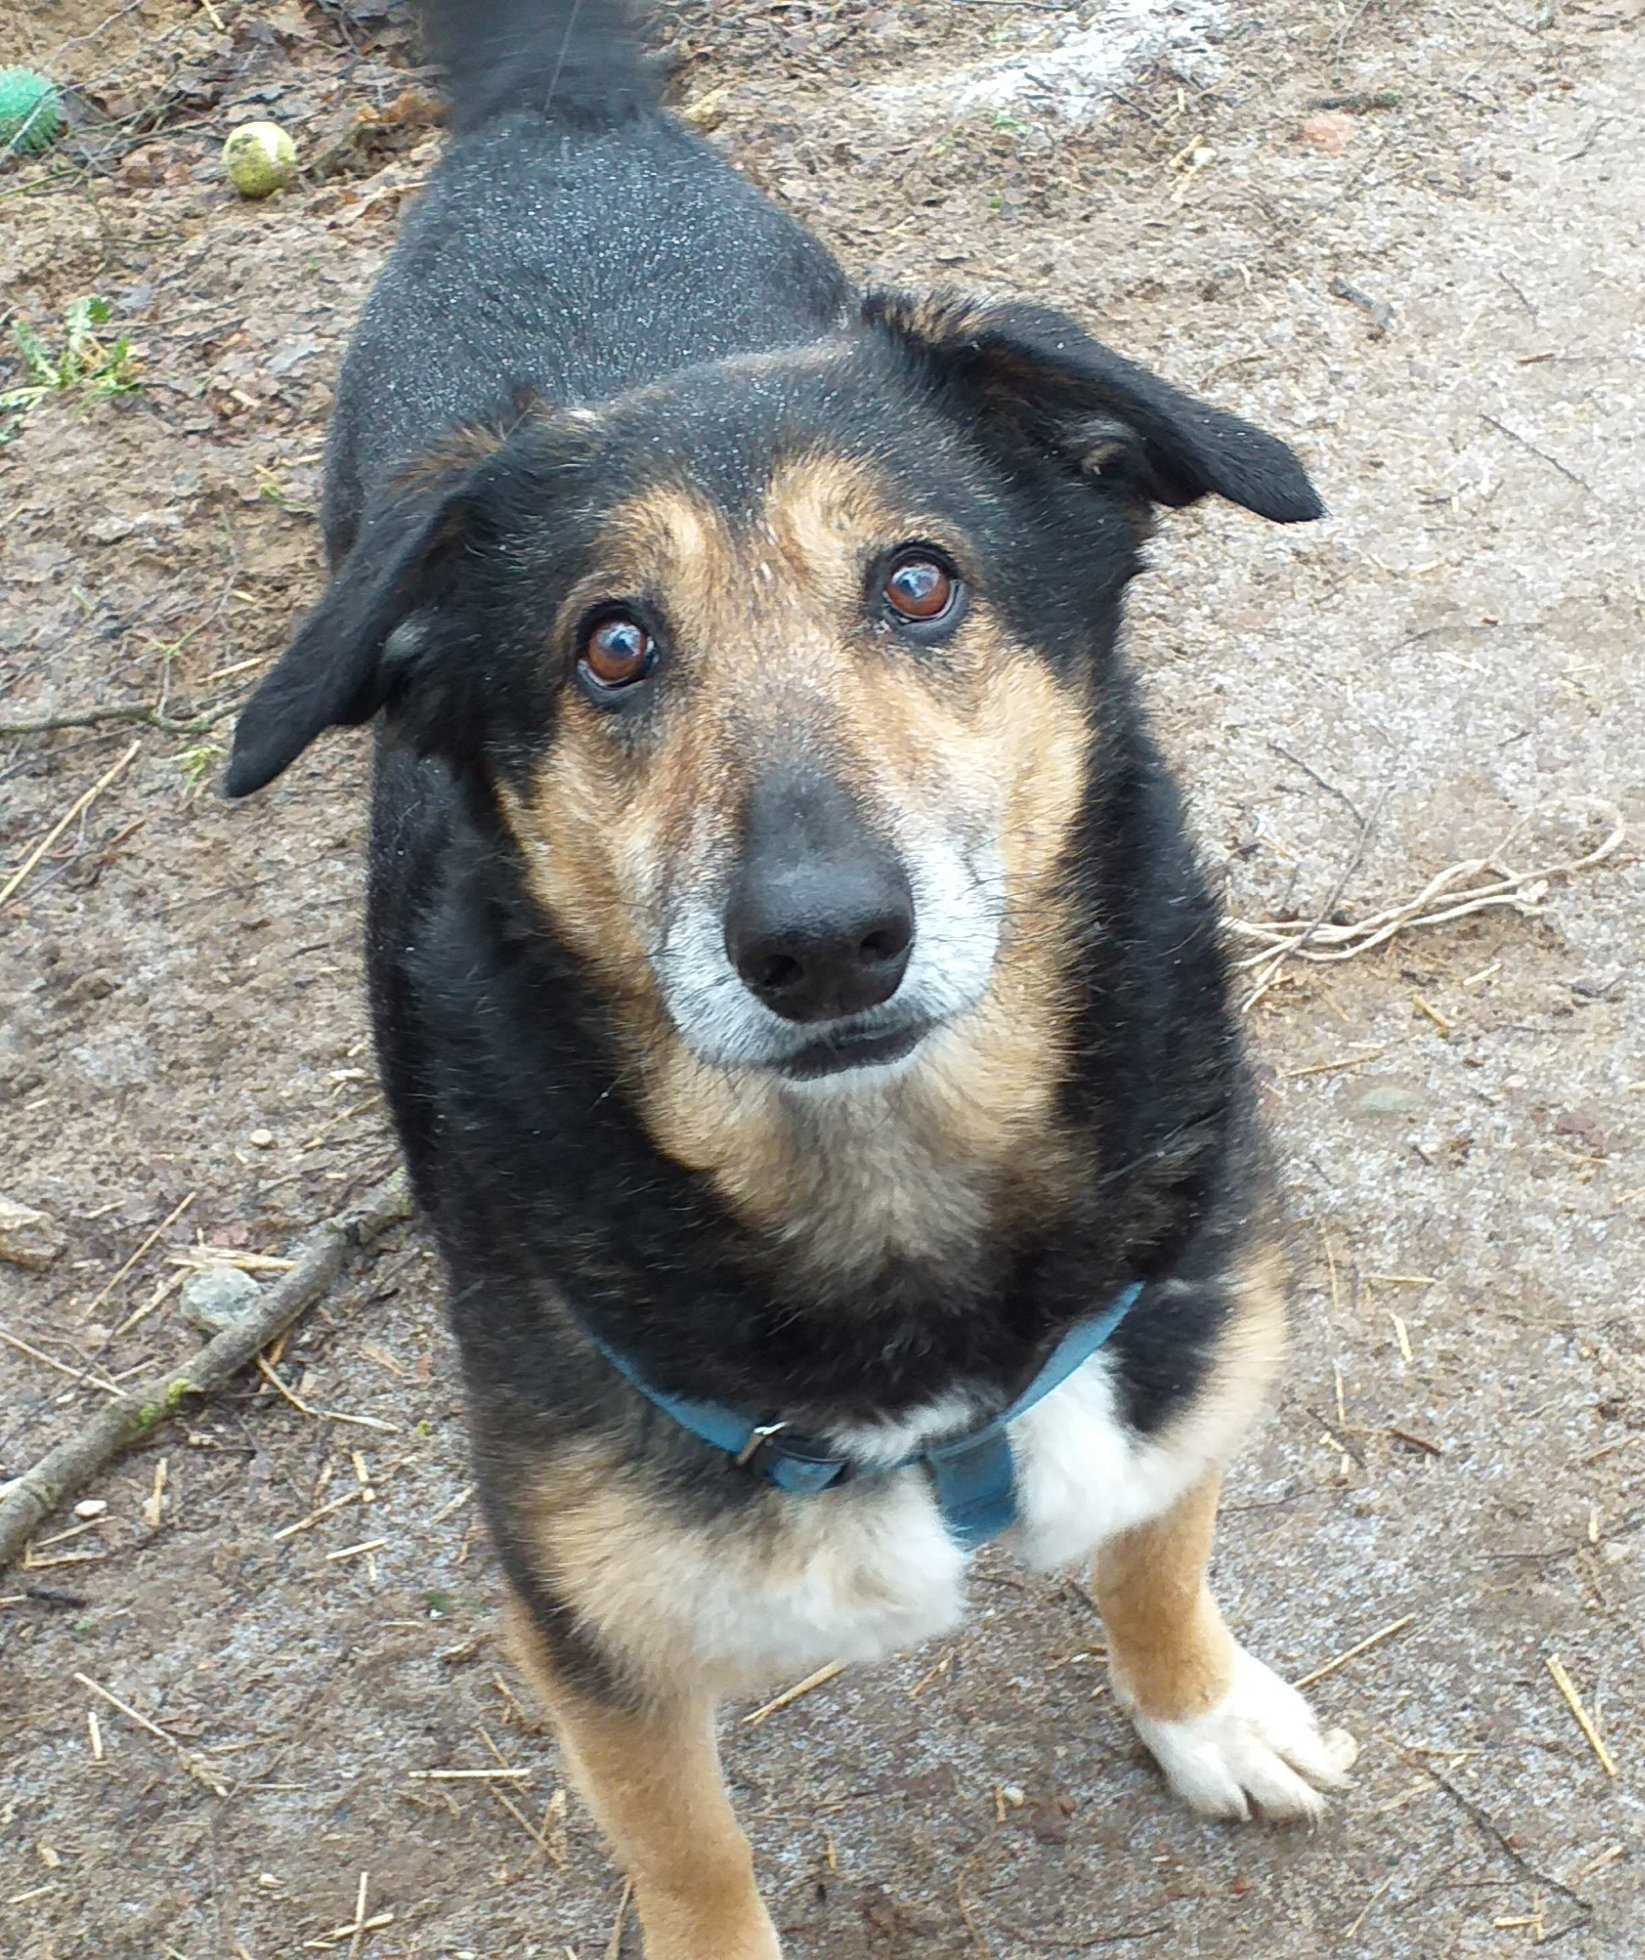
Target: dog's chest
point(871, 1568)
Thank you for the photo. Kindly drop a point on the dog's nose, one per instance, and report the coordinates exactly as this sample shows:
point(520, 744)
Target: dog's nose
point(820, 921)
point(821, 942)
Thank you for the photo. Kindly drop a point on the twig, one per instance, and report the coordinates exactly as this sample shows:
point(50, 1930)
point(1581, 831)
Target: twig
point(1365, 1910)
point(614, 1945)
point(201, 1772)
point(1447, 896)
point(1504, 1842)
point(505, 1774)
point(63, 1471)
point(359, 1916)
point(271, 1375)
point(822, 1676)
point(1584, 1721)
point(1352, 1653)
point(62, 1367)
point(1313, 775)
point(1553, 462)
point(1357, 101)
point(1416, 1442)
point(165, 1223)
point(1300, 941)
point(1335, 1068)
point(77, 808)
point(131, 715)
point(1343, 38)
point(1380, 313)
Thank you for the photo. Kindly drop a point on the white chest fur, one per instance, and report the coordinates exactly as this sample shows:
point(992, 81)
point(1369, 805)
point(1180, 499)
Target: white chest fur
point(871, 1568)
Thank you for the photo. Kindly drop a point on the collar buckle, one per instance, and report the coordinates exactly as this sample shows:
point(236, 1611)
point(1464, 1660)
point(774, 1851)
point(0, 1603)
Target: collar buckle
point(758, 1437)
point(801, 1465)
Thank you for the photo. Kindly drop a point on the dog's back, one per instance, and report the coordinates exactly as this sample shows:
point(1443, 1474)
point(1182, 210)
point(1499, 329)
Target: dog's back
point(573, 242)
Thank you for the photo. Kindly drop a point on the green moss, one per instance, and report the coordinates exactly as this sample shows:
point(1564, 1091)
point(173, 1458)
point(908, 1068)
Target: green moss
point(152, 1414)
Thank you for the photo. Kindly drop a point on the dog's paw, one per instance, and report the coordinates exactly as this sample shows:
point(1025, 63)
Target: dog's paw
point(1260, 1745)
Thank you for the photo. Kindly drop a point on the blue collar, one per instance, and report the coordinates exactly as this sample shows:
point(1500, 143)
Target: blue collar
point(974, 1476)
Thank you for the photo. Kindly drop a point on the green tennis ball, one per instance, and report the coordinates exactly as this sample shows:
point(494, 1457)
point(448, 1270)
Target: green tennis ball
point(31, 113)
point(260, 158)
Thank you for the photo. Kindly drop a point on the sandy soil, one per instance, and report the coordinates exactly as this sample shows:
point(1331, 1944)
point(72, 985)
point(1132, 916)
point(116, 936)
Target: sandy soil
point(1436, 290)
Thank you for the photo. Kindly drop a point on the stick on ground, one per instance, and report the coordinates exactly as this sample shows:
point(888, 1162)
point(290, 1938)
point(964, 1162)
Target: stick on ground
point(66, 1470)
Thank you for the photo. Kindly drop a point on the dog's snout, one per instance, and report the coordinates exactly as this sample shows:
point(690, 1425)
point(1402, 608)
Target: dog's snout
point(820, 919)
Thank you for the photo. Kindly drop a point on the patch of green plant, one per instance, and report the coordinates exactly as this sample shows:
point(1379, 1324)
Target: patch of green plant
point(90, 364)
point(198, 763)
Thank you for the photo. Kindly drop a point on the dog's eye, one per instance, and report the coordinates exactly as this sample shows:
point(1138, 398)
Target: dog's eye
point(617, 652)
point(920, 588)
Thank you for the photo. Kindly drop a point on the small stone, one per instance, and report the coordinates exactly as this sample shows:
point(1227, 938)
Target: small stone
point(1388, 1099)
point(219, 1299)
point(90, 1507)
point(1329, 131)
point(261, 1139)
point(28, 1237)
point(706, 112)
point(1013, 1795)
point(144, 168)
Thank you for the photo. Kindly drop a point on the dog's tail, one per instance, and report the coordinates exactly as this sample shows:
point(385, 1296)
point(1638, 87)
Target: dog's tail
point(578, 62)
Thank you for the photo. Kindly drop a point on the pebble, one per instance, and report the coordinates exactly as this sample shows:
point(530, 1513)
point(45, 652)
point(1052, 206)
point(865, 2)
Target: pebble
point(220, 1298)
point(91, 1507)
point(1388, 1099)
point(28, 1237)
point(707, 111)
point(261, 1139)
point(1329, 131)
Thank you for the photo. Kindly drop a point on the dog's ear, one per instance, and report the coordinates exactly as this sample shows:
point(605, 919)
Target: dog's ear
point(361, 641)
point(1031, 374)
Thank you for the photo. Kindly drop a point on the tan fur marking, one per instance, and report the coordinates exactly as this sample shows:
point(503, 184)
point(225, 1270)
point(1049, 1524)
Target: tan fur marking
point(653, 1780)
point(1248, 1356)
point(1166, 1637)
point(455, 454)
point(599, 827)
point(633, 1572)
point(940, 316)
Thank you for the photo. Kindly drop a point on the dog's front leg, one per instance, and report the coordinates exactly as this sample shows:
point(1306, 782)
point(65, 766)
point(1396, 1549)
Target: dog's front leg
point(1224, 1728)
point(651, 1774)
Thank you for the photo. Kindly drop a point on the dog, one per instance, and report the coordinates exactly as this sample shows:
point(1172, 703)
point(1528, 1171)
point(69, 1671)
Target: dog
point(801, 1008)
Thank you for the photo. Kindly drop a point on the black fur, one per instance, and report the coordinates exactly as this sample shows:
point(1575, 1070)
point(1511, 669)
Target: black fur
point(579, 244)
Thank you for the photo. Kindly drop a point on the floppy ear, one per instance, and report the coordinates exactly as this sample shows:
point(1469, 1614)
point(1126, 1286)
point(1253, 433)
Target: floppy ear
point(1031, 371)
point(348, 657)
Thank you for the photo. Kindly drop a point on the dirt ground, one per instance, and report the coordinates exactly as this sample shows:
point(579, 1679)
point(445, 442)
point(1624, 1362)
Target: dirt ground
point(1436, 287)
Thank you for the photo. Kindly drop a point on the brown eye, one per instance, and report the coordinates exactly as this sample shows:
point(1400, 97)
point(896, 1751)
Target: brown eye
point(617, 651)
point(919, 588)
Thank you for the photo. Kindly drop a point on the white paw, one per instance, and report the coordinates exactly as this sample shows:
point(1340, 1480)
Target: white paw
point(1260, 1745)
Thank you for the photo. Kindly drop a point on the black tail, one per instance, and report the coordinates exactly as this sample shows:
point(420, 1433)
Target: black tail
point(581, 62)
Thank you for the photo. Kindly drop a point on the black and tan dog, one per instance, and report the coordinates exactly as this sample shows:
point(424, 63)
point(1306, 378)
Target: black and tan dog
point(798, 999)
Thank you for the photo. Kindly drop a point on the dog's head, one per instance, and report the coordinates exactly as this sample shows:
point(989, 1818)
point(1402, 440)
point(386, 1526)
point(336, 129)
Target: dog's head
point(780, 673)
